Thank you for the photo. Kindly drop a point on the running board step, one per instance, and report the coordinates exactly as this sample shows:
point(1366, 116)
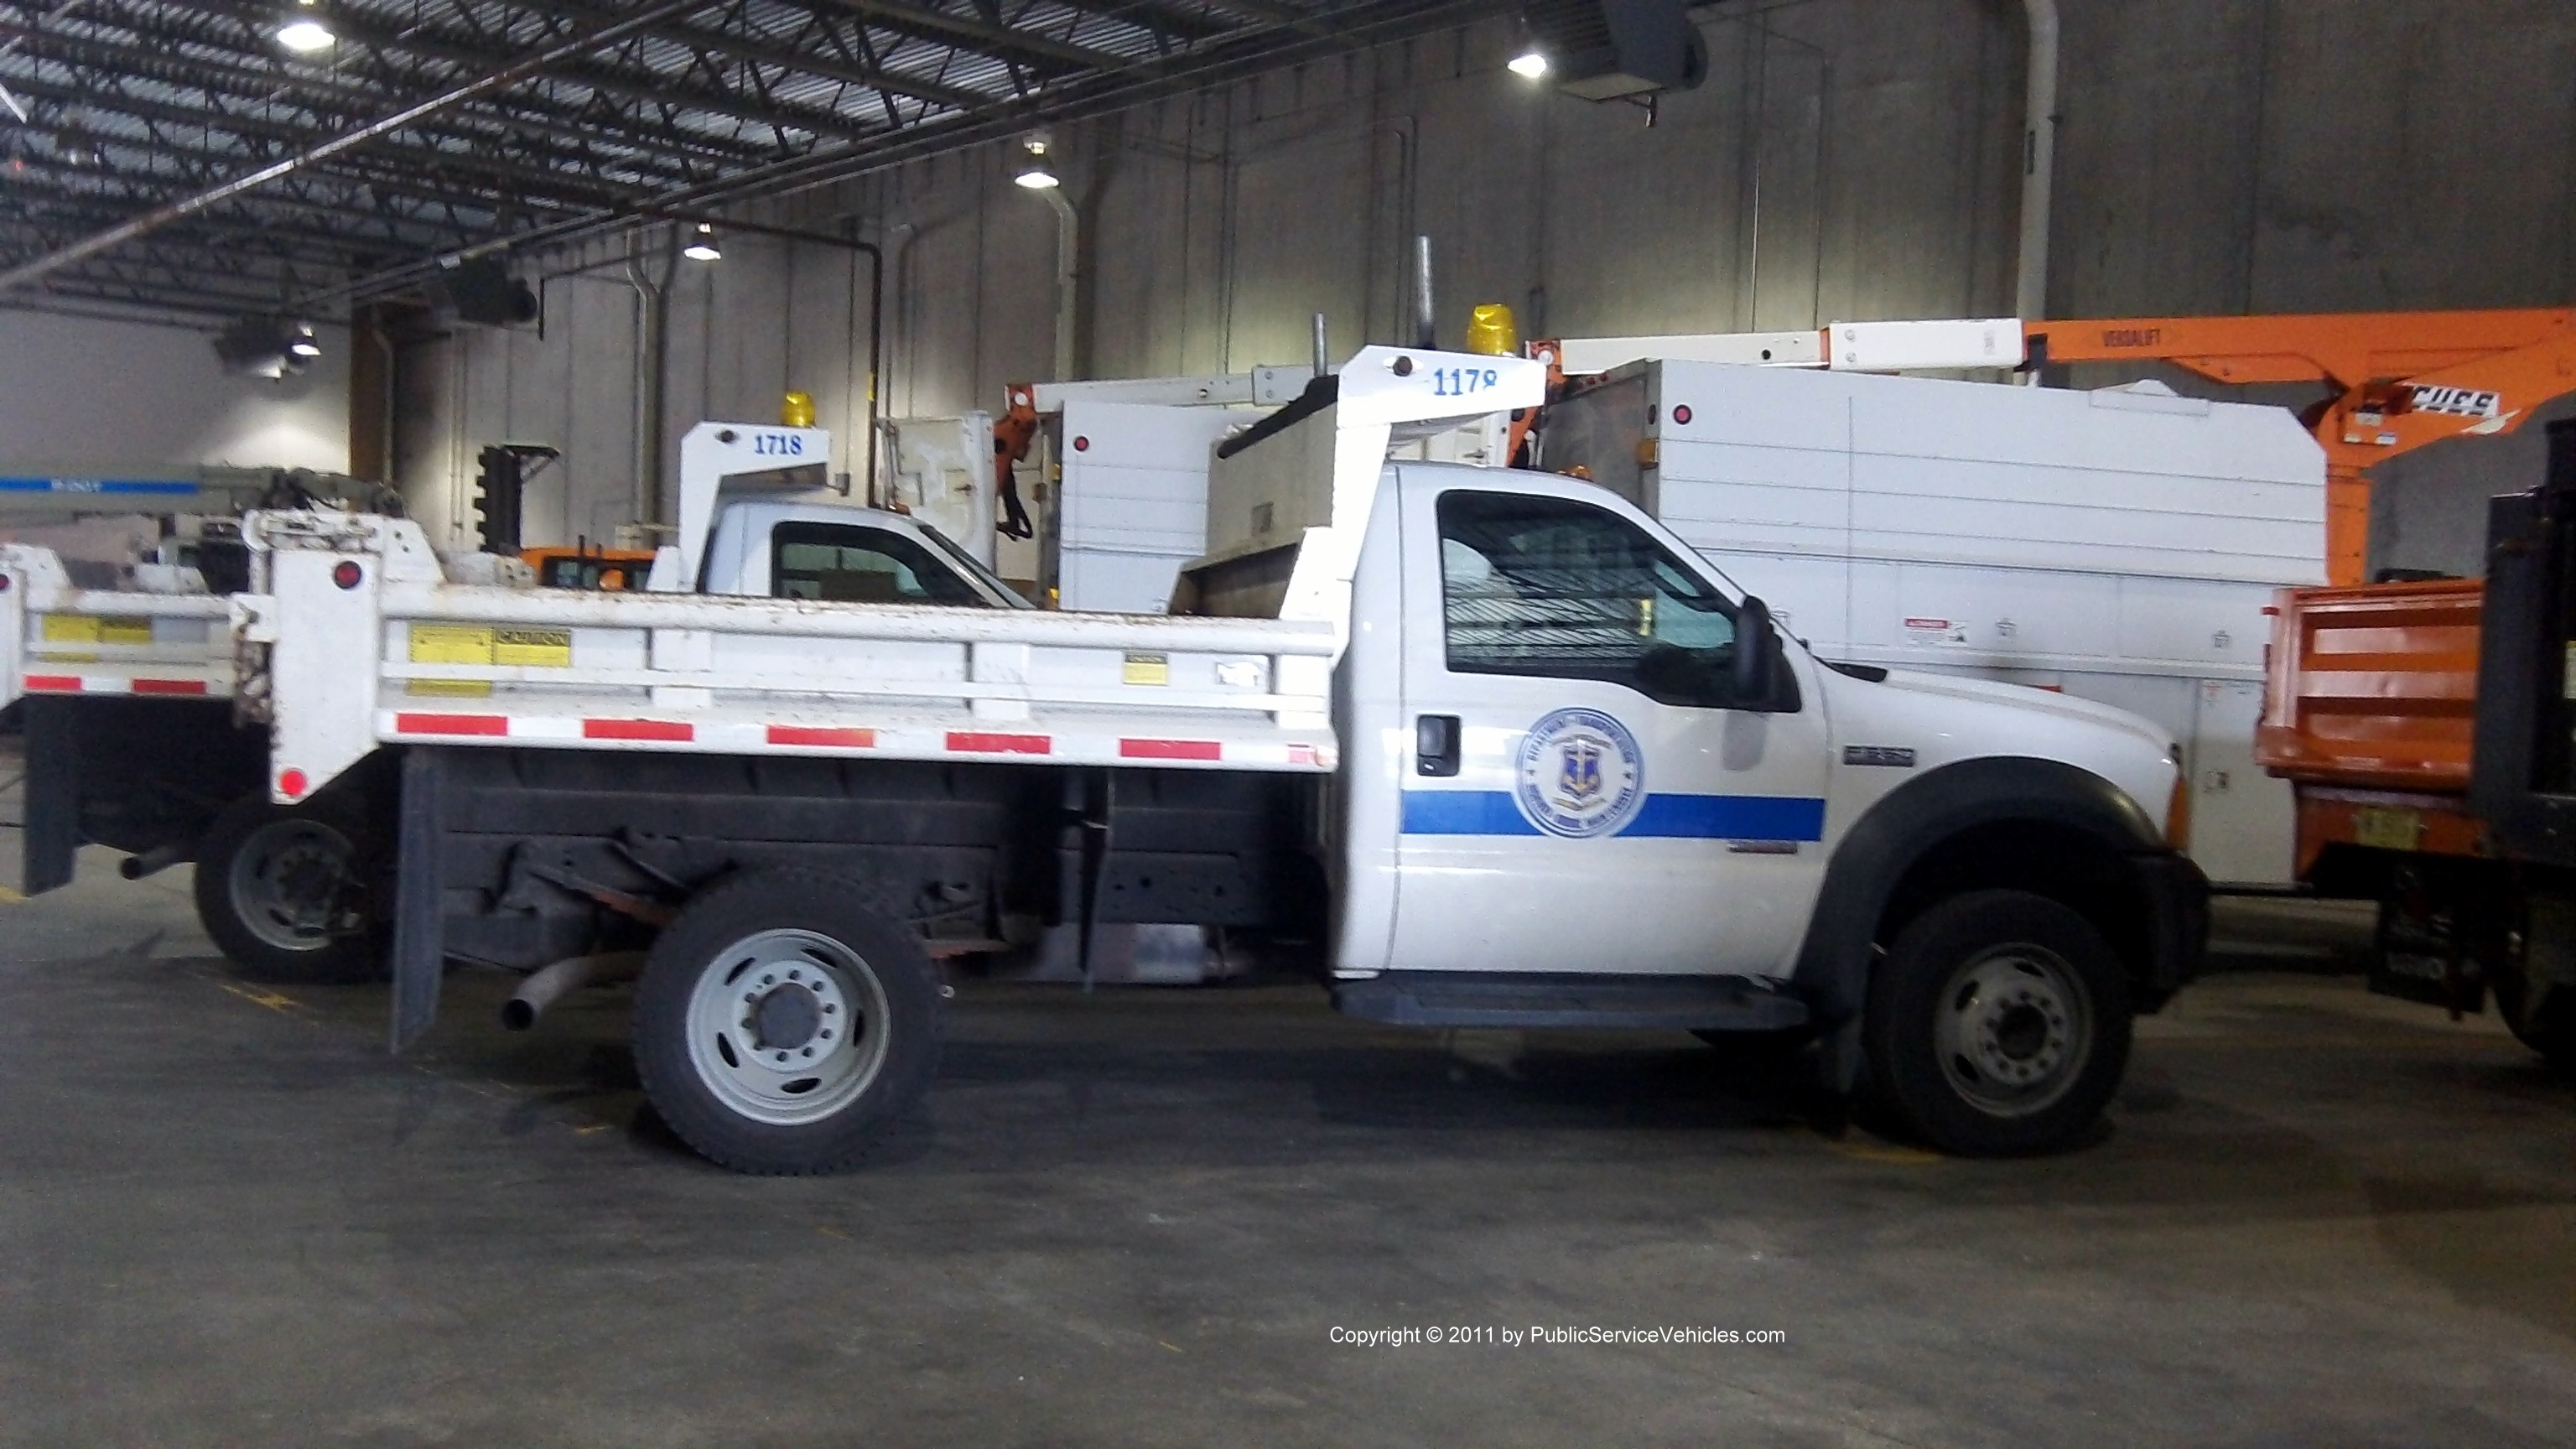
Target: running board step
point(1678, 1003)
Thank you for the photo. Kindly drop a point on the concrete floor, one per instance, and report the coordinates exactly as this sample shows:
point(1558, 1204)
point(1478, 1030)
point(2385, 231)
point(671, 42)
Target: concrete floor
point(227, 1217)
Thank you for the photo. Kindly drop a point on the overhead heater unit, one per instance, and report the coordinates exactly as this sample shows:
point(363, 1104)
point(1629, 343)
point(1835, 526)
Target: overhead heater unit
point(482, 291)
point(1610, 50)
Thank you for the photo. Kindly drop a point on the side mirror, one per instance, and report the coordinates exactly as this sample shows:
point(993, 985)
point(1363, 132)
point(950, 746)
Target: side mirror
point(1757, 654)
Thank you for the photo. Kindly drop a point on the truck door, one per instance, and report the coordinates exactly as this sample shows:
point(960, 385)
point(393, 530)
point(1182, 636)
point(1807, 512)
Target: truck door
point(1584, 793)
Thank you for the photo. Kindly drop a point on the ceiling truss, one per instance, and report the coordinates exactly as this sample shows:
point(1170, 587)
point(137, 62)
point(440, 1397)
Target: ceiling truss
point(134, 104)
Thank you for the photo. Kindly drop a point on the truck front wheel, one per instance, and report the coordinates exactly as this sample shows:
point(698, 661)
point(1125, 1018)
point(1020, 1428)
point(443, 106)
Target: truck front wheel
point(289, 894)
point(781, 1025)
point(1998, 1025)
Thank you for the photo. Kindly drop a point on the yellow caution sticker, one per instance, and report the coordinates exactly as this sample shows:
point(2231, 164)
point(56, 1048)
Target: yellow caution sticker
point(450, 644)
point(532, 648)
point(1147, 669)
point(96, 629)
point(477, 644)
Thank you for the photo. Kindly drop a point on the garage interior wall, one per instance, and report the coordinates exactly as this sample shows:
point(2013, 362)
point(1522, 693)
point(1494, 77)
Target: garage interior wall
point(1847, 159)
point(103, 396)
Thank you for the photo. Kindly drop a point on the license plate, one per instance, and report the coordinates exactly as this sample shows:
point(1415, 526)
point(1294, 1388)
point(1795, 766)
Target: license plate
point(2385, 829)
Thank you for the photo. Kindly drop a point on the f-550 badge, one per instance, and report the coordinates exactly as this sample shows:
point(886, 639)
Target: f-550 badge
point(1581, 774)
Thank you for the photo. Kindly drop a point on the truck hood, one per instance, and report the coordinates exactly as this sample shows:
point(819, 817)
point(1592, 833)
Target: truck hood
point(2028, 697)
point(1939, 719)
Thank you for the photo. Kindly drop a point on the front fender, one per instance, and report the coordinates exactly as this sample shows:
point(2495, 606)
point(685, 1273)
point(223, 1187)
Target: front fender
point(1906, 825)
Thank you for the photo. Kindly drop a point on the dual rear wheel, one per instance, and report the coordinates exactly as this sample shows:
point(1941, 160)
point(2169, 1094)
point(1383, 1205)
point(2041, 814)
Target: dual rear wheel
point(782, 1024)
point(290, 894)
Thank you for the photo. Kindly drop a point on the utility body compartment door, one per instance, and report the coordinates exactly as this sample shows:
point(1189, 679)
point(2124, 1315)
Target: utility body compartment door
point(1587, 792)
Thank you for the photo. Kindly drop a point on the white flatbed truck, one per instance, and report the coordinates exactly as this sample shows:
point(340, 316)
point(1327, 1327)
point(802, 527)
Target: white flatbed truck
point(134, 740)
point(1510, 750)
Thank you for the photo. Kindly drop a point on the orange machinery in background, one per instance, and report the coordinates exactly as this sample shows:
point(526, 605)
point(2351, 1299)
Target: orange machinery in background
point(2394, 381)
point(609, 570)
point(2369, 708)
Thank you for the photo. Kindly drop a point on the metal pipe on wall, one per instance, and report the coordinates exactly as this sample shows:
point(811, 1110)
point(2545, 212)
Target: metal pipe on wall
point(2039, 164)
point(652, 382)
point(1068, 241)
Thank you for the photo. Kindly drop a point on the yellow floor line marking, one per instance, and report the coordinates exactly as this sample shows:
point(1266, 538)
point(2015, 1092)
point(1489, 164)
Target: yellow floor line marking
point(282, 1005)
point(9, 897)
point(832, 1233)
point(1884, 1153)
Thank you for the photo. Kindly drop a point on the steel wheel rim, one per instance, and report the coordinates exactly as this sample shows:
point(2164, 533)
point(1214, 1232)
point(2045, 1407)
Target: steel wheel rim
point(2014, 1030)
point(288, 882)
point(744, 1016)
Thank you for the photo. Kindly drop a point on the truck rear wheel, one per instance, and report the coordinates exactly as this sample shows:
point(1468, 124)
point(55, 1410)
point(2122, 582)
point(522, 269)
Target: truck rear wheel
point(289, 894)
point(1998, 1025)
point(2547, 1027)
point(781, 1025)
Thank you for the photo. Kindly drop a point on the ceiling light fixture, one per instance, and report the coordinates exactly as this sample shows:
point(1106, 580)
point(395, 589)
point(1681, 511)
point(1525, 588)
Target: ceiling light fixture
point(1035, 173)
point(702, 245)
point(265, 347)
point(304, 30)
point(1531, 63)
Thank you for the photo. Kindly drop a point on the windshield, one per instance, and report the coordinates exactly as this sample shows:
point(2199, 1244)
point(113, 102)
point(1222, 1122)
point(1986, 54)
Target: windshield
point(974, 569)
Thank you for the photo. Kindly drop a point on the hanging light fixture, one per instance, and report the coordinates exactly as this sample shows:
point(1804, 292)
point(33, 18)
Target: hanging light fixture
point(1035, 172)
point(305, 29)
point(1530, 64)
point(73, 141)
point(702, 245)
point(303, 343)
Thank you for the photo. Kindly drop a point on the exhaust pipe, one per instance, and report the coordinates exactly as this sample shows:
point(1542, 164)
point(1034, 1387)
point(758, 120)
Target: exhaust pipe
point(551, 984)
point(151, 862)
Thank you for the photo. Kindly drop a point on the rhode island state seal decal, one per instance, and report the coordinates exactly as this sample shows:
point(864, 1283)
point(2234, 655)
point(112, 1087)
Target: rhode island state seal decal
point(1581, 774)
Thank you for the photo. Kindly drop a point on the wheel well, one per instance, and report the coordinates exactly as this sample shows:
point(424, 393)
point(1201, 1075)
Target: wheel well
point(2070, 866)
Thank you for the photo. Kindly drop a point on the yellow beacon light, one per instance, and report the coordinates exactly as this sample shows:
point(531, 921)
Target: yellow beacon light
point(798, 411)
point(1491, 330)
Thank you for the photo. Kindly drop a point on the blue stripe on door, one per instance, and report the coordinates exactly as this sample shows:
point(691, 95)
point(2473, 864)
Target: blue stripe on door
point(1463, 812)
point(1691, 817)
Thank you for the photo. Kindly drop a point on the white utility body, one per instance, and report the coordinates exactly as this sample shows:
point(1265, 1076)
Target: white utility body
point(1499, 745)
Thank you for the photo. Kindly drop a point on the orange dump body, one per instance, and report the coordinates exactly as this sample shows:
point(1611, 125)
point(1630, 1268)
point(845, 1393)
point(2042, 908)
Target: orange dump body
point(2369, 705)
point(2374, 685)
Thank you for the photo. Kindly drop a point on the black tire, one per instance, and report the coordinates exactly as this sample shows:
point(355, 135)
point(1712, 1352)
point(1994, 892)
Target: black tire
point(1998, 1025)
point(2549, 1029)
point(779, 964)
point(292, 895)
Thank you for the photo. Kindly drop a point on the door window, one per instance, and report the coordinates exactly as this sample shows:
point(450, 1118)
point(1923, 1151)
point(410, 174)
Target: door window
point(844, 563)
point(1552, 587)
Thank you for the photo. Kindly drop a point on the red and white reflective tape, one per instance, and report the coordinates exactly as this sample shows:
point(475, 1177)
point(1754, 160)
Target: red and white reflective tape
point(736, 737)
point(124, 684)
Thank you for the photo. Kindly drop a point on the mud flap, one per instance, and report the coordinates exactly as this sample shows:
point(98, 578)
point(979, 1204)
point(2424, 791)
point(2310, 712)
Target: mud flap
point(52, 837)
point(420, 954)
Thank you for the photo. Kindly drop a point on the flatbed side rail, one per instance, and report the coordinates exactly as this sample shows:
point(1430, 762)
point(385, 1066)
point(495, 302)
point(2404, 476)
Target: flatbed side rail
point(60, 639)
point(354, 660)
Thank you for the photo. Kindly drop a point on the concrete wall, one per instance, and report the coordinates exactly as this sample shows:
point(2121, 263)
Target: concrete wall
point(100, 396)
point(1848, 159)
